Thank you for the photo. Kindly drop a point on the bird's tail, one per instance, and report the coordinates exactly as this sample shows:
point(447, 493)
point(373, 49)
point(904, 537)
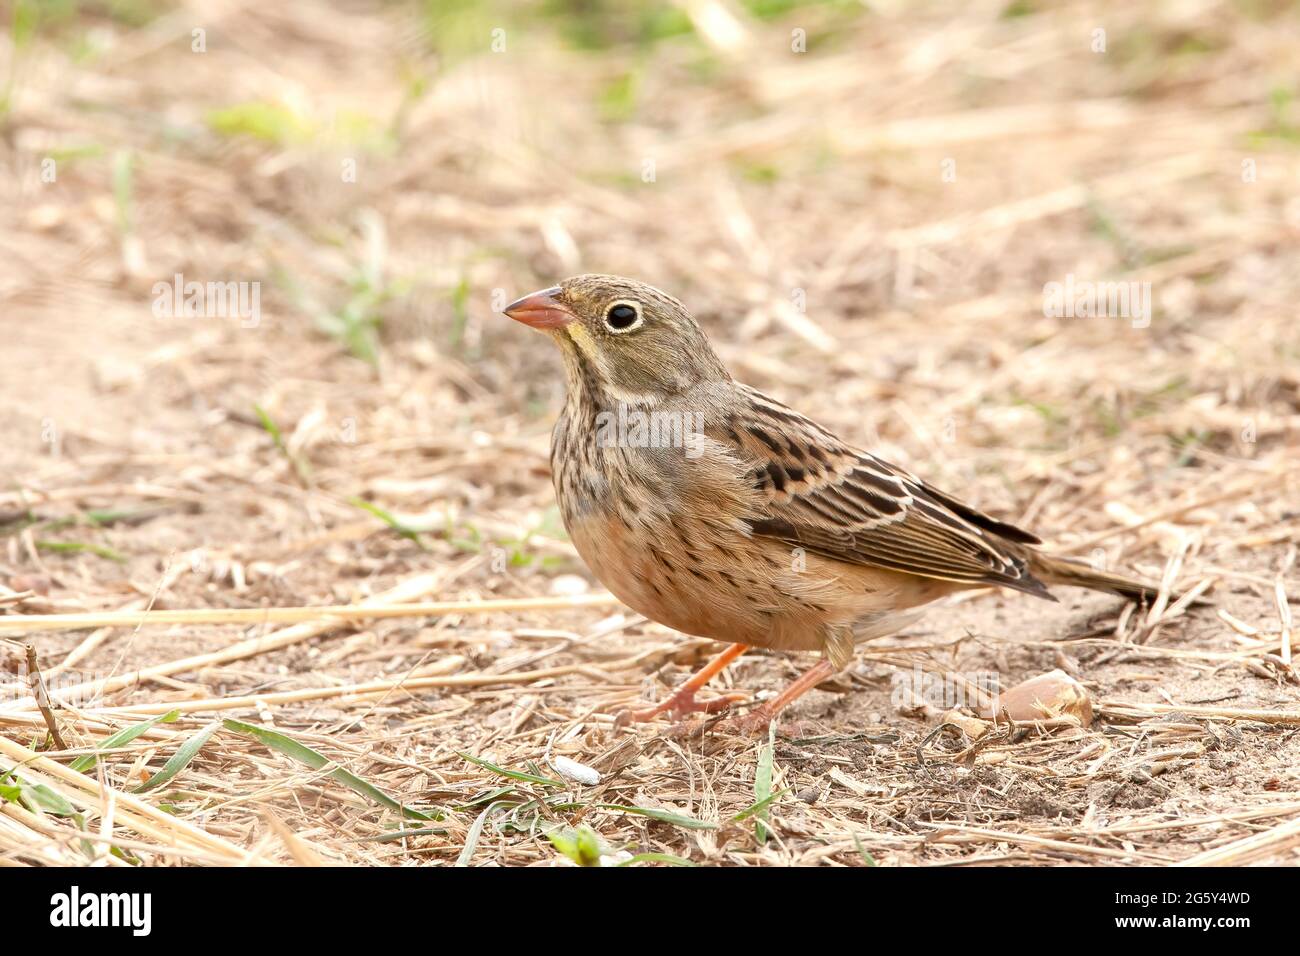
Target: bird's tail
point(1054, 570)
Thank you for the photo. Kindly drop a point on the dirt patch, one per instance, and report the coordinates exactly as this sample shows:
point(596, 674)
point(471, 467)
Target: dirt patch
point(388, 181)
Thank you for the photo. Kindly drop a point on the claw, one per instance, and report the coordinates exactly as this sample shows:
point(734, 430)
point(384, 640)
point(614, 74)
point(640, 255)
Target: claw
point(753, 724)
point(680, 705)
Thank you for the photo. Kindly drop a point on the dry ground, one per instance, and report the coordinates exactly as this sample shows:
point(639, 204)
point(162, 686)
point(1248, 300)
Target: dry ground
point(917, 176)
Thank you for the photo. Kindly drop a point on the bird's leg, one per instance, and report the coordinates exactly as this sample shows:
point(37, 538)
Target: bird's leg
point(757, 719)
point(683, 701)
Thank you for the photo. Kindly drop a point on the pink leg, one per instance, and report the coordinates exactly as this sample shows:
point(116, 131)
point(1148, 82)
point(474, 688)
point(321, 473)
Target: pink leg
point(683, 702)
point(756, 721)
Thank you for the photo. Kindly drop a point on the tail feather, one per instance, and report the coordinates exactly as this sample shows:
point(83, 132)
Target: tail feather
point(1054, 570)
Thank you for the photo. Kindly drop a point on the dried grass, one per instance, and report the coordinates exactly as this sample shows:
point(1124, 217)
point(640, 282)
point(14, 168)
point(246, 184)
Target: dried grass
point(179, 526)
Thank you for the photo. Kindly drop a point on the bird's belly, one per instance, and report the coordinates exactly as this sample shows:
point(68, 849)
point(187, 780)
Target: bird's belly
point(750, 590)
point(700, 589)
point(682, 561)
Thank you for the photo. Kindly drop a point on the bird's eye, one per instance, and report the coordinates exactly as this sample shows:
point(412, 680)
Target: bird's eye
point(622, 317)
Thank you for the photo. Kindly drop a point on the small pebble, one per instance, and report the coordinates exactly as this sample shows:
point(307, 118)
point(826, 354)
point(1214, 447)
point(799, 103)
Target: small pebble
point(568, 585)
point(577, 771)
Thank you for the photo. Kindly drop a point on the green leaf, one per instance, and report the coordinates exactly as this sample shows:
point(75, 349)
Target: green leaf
point(663, 816)
point(36, 797)
point(754, 808)
point(513, 774)
point(179, 760)
point(121, 739)
point(763, 781)
point(316, 760)
point(389, 519)
point(582, 845)
point(867, 858)
point(80, 547)
point(269, 122)
point(487, 797)
point(460, 311)
point(475, 831)
point(26, 20)
point(617, 101)
point(271, 428)
point(401, 835)
point(41, 799)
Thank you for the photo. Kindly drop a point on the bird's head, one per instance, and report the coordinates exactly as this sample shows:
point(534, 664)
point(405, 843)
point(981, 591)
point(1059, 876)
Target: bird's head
point(622, 339)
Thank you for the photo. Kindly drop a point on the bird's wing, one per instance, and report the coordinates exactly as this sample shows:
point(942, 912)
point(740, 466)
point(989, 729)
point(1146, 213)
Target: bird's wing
point(818, 493)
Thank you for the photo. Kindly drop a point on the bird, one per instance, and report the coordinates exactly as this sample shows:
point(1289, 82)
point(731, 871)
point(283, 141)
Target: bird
point(717, 511)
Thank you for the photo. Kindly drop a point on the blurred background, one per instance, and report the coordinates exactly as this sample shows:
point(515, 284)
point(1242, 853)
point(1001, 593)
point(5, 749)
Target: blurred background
point(852, 196)
point(864, 203)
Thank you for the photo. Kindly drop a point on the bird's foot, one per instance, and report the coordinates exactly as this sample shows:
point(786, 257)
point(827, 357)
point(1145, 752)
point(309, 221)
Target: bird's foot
point(679, 706)
point(756, 721)
point(753, 724)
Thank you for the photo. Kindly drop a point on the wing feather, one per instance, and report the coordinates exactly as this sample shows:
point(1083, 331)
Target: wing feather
point(818, 493)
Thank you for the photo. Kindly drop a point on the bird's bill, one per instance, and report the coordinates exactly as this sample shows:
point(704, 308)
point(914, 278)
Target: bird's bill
point(541, 310)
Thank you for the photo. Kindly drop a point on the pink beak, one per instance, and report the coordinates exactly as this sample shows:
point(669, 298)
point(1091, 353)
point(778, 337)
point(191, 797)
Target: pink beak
point(541, 310)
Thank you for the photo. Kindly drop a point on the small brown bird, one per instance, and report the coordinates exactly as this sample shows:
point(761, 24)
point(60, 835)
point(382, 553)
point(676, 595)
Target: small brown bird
point(717, 511)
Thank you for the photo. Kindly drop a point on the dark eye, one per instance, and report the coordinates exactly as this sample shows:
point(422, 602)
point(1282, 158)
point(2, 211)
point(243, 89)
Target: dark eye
point(622, 316)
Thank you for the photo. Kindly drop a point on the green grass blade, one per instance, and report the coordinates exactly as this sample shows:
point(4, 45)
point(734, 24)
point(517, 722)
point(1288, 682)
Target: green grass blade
point(272, 429)
point(513, 774)
point(36, 797)
point(41, 799)
point(472, 837)
point(179, 760)
point(867, 858)
point(389, 519)
point(663, 816)
point(80, 547)
point(121, 739)
point(486, 798)
point(763, 781)
point(316, 760)
point(400, 835)
point(758, 807)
